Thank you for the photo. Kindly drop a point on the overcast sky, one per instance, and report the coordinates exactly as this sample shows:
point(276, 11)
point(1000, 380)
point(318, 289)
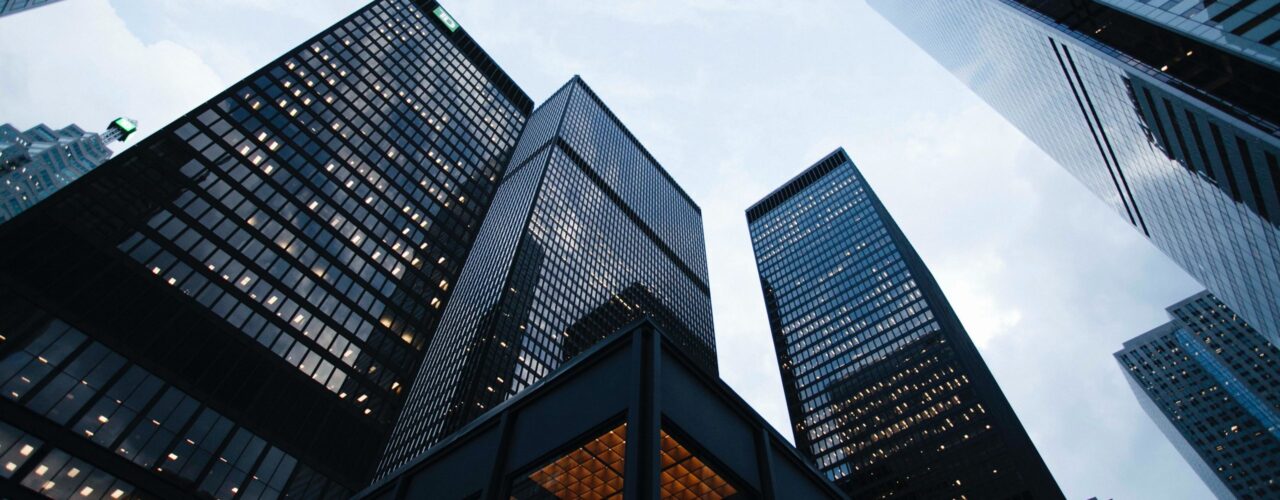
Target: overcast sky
point(734, 97)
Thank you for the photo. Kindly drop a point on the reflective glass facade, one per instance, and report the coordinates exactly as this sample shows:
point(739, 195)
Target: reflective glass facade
point(41, 160)
point(95, 393)
point(1178, 136)
point(279, 257)
point(1212, 384)
point(887, 393)
point(586, 233)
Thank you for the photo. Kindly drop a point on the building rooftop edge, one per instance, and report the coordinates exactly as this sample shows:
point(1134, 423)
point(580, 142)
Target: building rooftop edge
point(800, 181)
point(1138, 341)
point(470, 48)
point(584, 360)
point(640, 145)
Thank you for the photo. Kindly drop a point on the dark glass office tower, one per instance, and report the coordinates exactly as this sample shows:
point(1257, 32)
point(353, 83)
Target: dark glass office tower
point(1212, 384)
point(587, 232)
point(887, 393)
point(234, 306)
point(1178, 134)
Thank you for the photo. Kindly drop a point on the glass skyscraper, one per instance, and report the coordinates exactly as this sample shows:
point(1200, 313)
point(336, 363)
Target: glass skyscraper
point(887, 393)
point(1212, 384)
point(235, 307)
point(35, 163)
point(586, 233)
point(1178, 133)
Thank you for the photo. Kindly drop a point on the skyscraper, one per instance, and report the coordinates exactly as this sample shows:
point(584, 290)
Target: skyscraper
point(235, 306)
point(887, 393)
point(587, 232)
point(1176, 131)
point(11, 6)
point(1212, 384)
point(41, 160)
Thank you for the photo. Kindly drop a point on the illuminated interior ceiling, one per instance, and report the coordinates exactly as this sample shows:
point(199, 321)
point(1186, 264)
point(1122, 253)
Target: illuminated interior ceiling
point(684, 476)
point(594, 471)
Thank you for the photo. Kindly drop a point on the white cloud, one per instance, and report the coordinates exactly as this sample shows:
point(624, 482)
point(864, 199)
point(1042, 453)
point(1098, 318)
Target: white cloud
point(983, 315)
point(234, 37)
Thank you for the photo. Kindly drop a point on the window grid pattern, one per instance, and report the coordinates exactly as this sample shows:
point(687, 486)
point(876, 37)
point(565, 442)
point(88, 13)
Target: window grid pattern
point(92, 391)
point(879, 397)
point(322, 207)
point(1203, 185)
point(334, 200)
point(60, 475)
point(563, 259)
point(1214, 380)
point(16, 448)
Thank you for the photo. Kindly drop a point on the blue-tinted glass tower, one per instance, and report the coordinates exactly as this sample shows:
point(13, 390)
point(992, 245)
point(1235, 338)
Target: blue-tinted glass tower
point(234, 307)
point(587, 233)
point(1152, 107)
point(1212, 384)
point(887, 393)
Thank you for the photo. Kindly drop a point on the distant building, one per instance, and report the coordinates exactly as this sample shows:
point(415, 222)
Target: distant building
point(1212, 384)
point(886, 391)
point(1167, 111)
point(587, 232)
point(13, 6)
point(635, 416)
point(35, 163)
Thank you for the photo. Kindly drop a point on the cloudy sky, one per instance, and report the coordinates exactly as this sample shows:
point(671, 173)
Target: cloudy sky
point(734, 97)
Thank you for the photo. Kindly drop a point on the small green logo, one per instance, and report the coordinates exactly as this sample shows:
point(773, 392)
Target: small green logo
point(444, 17)
point(126, 125)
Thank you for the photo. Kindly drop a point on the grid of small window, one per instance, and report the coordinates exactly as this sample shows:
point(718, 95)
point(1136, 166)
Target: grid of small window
point(878, 385)
point(1215, 380)
point(1156, 148)
point(333, 199)
point(83, 386)
point(564, 259)
point(59, 475)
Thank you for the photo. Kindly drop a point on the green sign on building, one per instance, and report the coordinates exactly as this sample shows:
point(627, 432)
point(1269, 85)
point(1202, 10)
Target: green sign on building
point(444, 17)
